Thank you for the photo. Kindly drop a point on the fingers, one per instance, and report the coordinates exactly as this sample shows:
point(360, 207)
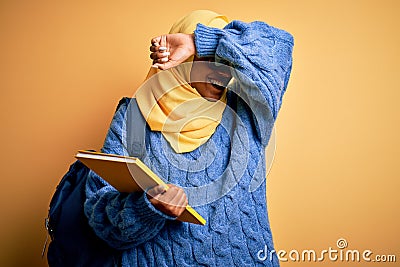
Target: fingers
point(159, 44)
point(159, 51)
point(172, 201)
point(159, 55)
point(157, 48)
point(179, 198)
point(174, 196)
point(156, 190)
point(156, 40)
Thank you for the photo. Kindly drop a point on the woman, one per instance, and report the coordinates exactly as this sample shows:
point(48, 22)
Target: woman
point(206, 133)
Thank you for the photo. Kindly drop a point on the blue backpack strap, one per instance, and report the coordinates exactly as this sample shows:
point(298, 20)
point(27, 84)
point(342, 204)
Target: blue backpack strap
point(135, 130)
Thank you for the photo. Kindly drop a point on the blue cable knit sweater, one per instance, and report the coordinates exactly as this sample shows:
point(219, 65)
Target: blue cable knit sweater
point(224, 178)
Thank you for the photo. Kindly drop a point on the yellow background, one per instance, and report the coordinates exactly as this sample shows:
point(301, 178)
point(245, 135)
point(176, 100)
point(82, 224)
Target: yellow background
point(65, 64)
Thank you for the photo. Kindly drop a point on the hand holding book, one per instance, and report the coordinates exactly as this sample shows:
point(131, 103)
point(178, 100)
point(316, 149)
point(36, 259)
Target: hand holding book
point(171, 201)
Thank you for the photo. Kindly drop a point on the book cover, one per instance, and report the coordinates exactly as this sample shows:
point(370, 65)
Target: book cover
point(129, 174)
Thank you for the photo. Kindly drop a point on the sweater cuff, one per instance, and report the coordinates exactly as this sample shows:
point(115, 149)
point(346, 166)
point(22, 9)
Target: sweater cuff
point(148, 208)
point(206, 40)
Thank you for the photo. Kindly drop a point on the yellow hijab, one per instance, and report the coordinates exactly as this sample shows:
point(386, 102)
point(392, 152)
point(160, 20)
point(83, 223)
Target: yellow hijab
point(173, 107)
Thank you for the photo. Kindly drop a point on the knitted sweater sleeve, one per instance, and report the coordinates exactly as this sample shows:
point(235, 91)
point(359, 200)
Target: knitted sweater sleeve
point(122, 220)
point(261, 57)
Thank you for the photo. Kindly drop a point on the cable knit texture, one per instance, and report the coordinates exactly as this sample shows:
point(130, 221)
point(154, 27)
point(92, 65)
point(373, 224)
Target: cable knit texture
point(224, 178)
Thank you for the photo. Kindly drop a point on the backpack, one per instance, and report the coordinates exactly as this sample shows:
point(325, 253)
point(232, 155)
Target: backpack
point(73, 241)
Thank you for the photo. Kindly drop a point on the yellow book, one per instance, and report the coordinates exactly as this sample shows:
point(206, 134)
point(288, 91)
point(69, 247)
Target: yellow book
point(129, 174)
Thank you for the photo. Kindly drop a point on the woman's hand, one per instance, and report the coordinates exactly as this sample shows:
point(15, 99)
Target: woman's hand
point(171, 201)
point(171, 49)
